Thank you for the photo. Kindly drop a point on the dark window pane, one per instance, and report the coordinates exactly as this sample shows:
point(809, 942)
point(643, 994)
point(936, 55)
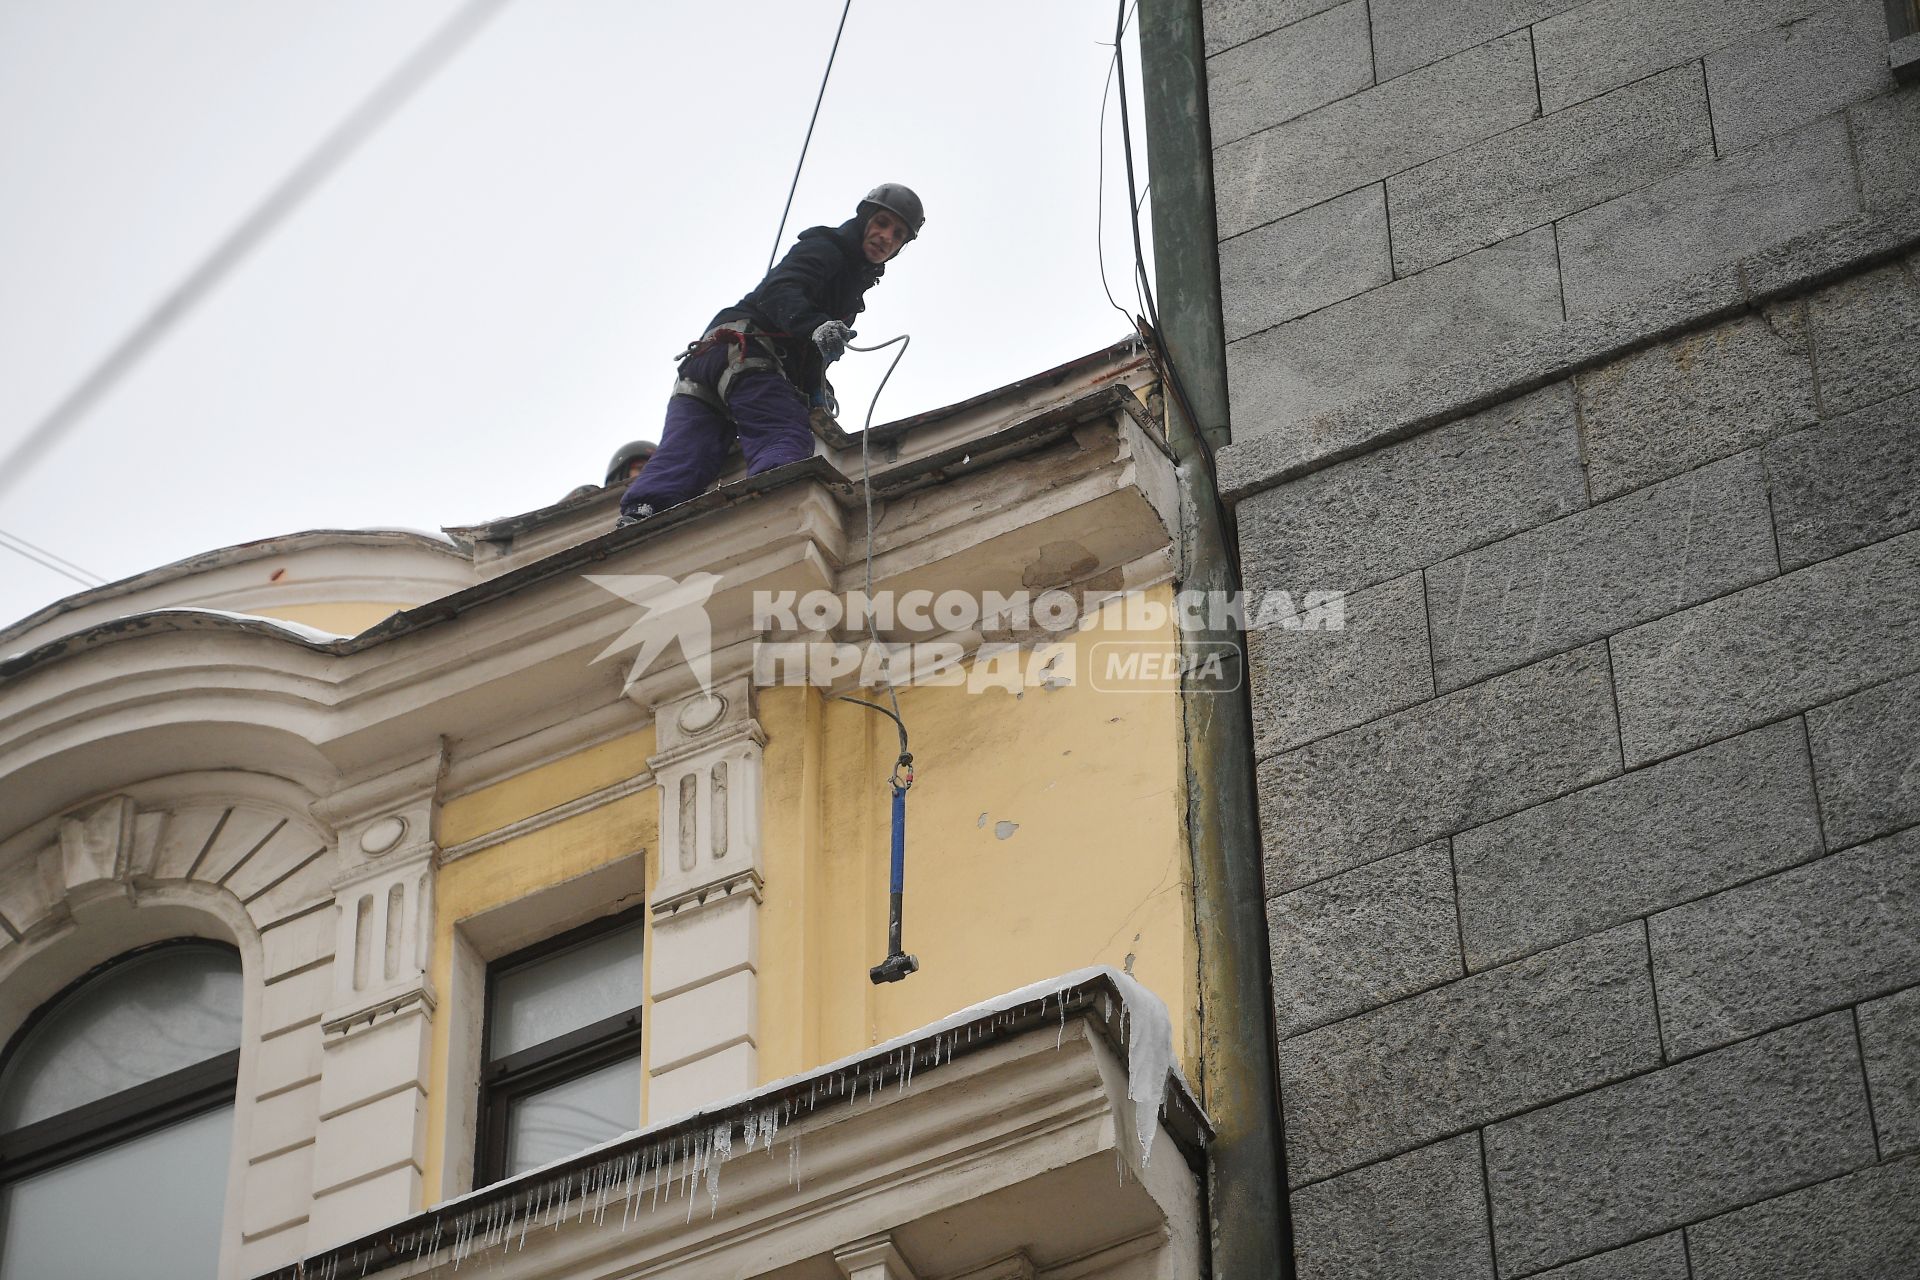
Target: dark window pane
point(571, 1117)
point(143, 1019)
point(565, 991)
point(149, 1209)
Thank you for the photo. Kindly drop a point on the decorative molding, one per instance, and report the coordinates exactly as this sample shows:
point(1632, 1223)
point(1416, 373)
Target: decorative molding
point(382, 835)
point(874, 1258)
point(96, 847)
point(382, 948)
point(747, 884)
point(344, 1024)
point(548, 817)
point(389, 789)
point(710, 801)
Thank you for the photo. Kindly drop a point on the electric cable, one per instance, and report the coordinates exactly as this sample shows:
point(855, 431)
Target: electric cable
point(8, 536)
point(49, 564)
point(1174, 381)
point(802, 162)
point(1100, 184)
point(306, 177)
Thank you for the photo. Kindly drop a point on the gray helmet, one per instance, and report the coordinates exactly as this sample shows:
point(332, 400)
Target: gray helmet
point(899, 201)
point(627, 453)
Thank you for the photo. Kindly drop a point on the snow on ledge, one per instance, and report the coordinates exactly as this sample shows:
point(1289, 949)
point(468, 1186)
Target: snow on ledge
point(681, 1155)
point(299, 630)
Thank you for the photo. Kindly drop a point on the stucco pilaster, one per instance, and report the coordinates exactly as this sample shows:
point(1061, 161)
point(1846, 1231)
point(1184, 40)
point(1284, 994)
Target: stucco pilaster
point(704, 997)
point(377, 1033)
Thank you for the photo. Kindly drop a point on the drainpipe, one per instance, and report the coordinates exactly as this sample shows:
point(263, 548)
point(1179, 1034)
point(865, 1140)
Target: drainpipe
point(1251, 1231)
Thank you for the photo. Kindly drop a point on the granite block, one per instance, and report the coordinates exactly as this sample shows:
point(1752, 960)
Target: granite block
point(1548, 168)
point(1369, 937)
point(1468, 1053)
point(1886, 138)
point(1587, 575)
point(1303, 262)
point(1860, 1227)
point(1864, 345)
point(1676, 1145)
point(1308, 684)
point(1679, 405)
point(1834, 932)
point(1781, 77)
point(1456, 762)
point(1645, 841)
point(1705, 218)
point(1289, 72)
point(1850, 482)
point(1413, 33)
point(1866, 761)
point(1363, 138)
point(1232, 22)
point(1591, 48)
point(1417, 502)
point(1422, 1216)
point(1486, 299)
point(1782, 646)
point(1890, 1040)
point(1661, 1258)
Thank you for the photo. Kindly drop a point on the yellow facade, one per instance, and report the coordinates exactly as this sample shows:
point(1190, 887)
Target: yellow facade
point(346, 619)
point(1045, 833)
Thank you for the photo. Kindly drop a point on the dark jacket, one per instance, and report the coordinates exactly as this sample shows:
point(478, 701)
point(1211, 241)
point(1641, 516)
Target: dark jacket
point(825, 276)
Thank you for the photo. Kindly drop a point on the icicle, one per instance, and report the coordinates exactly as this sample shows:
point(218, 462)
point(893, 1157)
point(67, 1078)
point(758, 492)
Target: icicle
point(1061, 1034)
point(722, 1147)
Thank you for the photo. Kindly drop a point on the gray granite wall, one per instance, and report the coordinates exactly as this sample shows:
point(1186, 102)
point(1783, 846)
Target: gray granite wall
point(1579, 342)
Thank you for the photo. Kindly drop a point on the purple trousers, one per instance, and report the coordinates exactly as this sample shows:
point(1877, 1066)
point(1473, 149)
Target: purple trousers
point(768, 415)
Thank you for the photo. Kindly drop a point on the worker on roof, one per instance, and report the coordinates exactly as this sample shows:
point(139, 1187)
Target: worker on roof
point(629, 460)
point(763, 360)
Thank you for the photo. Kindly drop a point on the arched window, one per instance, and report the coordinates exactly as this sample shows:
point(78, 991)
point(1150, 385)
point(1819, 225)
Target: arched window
point(116, 1112)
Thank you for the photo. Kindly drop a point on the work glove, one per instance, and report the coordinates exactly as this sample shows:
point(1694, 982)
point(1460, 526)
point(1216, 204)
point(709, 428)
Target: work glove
point(831, 338)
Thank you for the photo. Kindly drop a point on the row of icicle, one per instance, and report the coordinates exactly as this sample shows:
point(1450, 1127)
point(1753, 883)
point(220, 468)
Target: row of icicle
point(636, 1181)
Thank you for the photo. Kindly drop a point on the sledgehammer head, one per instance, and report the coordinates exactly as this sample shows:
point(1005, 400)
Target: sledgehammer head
point(893, 968)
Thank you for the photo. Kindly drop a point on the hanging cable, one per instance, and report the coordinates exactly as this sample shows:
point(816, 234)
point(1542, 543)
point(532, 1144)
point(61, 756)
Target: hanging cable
point(1100, 183)
point(319, 164)
point(898, 963)
point(801, 164)
point(1140, 259)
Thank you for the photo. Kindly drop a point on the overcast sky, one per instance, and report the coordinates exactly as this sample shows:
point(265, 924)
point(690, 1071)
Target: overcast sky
point(480, 305)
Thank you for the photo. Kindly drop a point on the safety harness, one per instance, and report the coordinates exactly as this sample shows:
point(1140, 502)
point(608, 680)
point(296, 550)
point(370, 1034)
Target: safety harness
point(748, 351)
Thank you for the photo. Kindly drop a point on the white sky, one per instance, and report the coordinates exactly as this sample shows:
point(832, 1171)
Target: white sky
point(480, 306)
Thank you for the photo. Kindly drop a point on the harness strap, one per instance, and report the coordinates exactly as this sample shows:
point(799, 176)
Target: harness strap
point(702, 392)
point(737, 337)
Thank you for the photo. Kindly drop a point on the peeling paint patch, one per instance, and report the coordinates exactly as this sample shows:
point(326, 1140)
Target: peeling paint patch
point(983, 819)
point(1001, 830)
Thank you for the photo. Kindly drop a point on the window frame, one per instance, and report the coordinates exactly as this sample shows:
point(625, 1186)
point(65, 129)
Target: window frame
point(505, 1081)
point(120, 1117)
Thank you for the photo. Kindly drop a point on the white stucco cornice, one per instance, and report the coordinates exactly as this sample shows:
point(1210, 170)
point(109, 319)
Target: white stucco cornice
point(318, 566)
point(1074, 493)
point(1035, 1099)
